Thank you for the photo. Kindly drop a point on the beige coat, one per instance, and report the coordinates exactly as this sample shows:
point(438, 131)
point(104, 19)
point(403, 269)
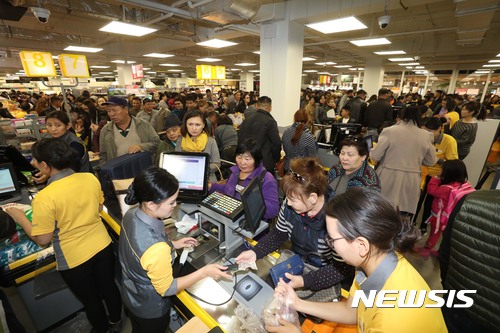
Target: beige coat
point(401, 151)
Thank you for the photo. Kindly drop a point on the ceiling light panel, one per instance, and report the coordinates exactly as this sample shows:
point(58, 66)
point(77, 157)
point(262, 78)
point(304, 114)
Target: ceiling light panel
point(342, 66)
point(170, 65)
point(339, 25)
point(308, 59)
point(390, 52)
point(209, 59)
point(401, 59)
point(325, 63)
point(128, 29)
point(158, 55)
point(99, 66)
point(83, 49)
point(216, 43)
point(371, 42)
point(245, 64)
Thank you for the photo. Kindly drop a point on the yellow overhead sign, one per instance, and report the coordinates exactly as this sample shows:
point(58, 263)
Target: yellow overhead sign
point(207, 72)
point(74, 65)
point(37, 64)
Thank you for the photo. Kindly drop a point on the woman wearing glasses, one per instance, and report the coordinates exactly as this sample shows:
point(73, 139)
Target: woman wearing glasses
point(353, 169)
point(302, 221)
point(367, 232)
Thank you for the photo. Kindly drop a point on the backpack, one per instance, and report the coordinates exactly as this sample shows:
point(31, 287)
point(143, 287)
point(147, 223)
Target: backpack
point(455, 195)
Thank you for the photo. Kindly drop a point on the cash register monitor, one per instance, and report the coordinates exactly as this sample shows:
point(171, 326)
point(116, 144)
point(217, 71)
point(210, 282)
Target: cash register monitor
point(191, 170)
point(254, 205)
point(10, 189)
point(9, 153)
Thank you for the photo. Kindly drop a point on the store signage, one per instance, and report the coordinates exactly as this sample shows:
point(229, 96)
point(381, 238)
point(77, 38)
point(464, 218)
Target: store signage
point(74, 65)
point(207, 72)
point(324, 79)
point(137, 71)
point(37, 64)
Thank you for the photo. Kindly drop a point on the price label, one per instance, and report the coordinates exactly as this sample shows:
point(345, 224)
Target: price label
point(74, 65)
point(37, 64)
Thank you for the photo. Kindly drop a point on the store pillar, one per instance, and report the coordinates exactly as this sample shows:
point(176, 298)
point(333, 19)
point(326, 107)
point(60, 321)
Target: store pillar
point(281, 52)
point(374, 76)
point(124, 75)
point(246, 81)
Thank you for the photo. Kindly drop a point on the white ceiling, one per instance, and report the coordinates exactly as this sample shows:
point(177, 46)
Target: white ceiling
point(443, 34)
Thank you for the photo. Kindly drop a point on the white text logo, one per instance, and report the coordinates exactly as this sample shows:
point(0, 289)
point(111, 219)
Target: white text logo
point(413, 298)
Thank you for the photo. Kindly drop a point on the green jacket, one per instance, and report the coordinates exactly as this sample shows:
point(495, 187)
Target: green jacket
point(147, 134)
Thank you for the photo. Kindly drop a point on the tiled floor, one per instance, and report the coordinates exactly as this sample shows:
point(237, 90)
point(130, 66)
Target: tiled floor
point(428, 268)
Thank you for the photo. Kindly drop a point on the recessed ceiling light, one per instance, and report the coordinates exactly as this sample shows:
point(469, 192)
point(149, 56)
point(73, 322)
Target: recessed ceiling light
point(150, 72)
point(492, 65)
point(498, 55)
point(481, 72)
point(145, 68)
point(401, 59)
point(105, 72)
point(410, 64)
point(342, 66)
point(245, 64)
point(117, 27)
point(209, 59)
point(99, 66)
point(256, 52)
point(324, 73)
point(170, 65)
point(338, 25)
point(493, 61)
point(158, 55)
point(419, 67)
point(216, 43)
point(235, 69)
point(370, 42)
point(254, 71)
point(174, 70)
point(390, 52)
point(308, 59)
point(409, 67)
point(123, 61)
point(325, 63)
point(310, 71)
point(83, 49)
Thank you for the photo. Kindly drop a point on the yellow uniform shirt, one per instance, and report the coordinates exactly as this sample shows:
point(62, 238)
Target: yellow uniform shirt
point(396, 320)
point(446, 149)
point(69, 207)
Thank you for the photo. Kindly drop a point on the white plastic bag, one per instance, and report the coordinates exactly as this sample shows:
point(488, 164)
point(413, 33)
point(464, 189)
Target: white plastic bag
point(278, 307)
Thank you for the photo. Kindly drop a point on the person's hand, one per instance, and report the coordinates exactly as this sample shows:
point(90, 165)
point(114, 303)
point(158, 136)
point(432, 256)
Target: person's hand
point(185, 242)
point(94, 127)
point(15, 213)
point(209, 185)
point(134, 149)
point(246, 257)
point(286, 291)
point(216, 272)
point(296, 281)
point(285, 327)
point(39, 178)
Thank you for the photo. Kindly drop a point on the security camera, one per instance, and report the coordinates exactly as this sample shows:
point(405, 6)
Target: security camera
point(41, 14)
point(383, 21)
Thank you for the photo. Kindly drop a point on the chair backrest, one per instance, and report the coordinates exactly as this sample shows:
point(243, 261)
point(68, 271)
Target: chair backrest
point(470, 255)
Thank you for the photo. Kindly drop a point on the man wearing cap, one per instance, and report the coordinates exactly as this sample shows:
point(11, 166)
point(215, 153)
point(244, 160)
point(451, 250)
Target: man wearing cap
point(148, 112)
point(172, 132)
point(377, 113)
point(125, 134)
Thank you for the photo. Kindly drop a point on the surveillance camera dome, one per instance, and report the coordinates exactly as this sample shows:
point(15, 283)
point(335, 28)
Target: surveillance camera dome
point(383, 21)
point(41, 14)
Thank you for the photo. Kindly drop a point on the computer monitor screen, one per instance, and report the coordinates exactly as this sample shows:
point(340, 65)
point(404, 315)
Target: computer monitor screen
point(191, 170)
point(9, 186)
point(340, 132)
point(9, 153)
point(254, 205)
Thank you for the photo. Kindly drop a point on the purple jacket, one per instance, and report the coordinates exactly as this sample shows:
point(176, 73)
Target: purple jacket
point(269, 188)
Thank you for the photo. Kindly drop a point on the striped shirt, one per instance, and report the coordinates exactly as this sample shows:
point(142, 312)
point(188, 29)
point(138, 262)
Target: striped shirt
point(306, 146)
point(465, 134)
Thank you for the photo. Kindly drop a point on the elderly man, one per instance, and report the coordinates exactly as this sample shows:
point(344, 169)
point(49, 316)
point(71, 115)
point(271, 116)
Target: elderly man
point(148, 113)
point(125, 134)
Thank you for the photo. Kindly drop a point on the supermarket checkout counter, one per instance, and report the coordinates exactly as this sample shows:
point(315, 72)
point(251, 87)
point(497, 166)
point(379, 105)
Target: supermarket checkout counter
point(220, 240)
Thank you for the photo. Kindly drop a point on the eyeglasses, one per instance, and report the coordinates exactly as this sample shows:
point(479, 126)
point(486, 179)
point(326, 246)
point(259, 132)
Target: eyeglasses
point(329, 240)
point(297, 177)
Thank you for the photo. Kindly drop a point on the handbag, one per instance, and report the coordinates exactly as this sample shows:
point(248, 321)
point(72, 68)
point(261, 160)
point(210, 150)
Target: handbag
point(293, 265)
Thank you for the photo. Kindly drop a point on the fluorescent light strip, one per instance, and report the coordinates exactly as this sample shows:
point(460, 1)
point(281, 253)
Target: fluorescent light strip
point(310, 71)
point(390, 52)
point(170, 65)
point(492, 65)
point(342, 66)
point(308, 59)
point(158, 55)
point(401, 59)
point(245, 64)
point(209, 59)
point(216, 43)
point(174, 70)
point(123, 61)
point(493, 61)
point(338, 25)
point(256, 52)
point(235, 69)
point(254, 71)
point(122, 28)
point(100, 66)
point(325, 63)
point(83, 49)
point(371, 42)
point(419, 67)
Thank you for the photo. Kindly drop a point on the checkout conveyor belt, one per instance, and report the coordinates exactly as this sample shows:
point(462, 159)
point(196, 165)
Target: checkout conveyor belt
point(27, 268)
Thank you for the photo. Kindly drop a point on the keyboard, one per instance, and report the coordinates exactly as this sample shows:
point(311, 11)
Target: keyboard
point(224, 205)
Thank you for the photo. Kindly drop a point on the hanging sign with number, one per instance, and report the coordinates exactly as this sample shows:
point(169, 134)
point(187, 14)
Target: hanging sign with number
point(37, 64)
point(74, 65)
